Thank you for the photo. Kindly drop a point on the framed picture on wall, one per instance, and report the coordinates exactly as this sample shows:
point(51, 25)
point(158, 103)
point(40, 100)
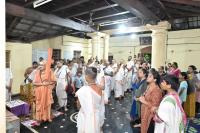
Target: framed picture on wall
point(147, 40)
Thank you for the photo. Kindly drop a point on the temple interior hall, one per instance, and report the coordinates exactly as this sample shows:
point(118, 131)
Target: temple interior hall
point(100, 66)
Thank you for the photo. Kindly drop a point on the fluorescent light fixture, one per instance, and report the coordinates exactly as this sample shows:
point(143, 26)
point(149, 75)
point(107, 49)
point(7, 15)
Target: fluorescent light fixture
point(133, 36)
point(122, 28)
point(40, 2)
point(114, 22)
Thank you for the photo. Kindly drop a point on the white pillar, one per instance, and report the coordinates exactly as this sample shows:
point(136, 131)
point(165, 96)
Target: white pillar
point(89, 49)
point(106, 46)
point(159, 39)
point(96, 46)
point(2, 69)
point(158, 48)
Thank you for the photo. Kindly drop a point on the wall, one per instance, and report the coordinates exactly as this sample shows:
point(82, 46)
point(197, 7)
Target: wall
point(71, 44)
point(67, 44)
point(123, 46)
point(21, 58)
point(184, 48)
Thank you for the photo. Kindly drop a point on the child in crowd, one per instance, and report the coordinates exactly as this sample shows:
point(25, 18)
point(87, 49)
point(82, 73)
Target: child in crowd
point(182, 91)
point(78, 81)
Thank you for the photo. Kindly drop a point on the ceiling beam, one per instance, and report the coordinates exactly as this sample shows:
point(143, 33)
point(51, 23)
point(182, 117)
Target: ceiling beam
point(77, 2)
point(13, 24)
point(34, 32)
point(30, 14)
point(179, 14)
point(137, 8)
point(185, 2)
point(41, 37)
point(27, 31)
point(92, 10)
point(29, 3)
point(183, 7)
point(163, 8)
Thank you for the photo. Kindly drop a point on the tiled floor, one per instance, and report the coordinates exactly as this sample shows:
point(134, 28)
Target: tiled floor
point(117, 120)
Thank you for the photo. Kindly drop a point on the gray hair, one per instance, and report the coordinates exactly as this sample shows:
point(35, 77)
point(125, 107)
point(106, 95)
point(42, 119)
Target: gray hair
point(92, 72)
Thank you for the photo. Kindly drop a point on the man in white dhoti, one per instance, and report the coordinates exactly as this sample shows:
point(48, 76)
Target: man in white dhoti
point(60, 74)
point(129, 66)
point(114, 67)
point(170, 116)
point(108, 72)
point(9, 80)
point(91, 114)
point(119, 78)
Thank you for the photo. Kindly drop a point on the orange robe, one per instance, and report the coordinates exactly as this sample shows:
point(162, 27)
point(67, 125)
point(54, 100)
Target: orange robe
point(153, 96)
point(43, 96)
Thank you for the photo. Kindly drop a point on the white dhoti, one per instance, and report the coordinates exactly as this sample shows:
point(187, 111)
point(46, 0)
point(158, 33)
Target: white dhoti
point(61, 86)
point(129, 80)
point(112, 83)
point(61, 92)
point(8, 96)
point(107, 90)
point(119, 89)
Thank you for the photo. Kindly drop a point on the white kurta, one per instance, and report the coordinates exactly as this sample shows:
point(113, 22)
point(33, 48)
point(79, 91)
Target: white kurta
point(61, 86)
point(91, 114)
point(171, 114)
point(119, 90)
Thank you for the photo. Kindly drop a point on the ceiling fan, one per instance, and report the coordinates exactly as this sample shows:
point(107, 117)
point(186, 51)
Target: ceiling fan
point(90, 22)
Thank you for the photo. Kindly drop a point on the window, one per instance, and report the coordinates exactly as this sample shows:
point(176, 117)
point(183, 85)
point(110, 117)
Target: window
point(56, 54)
point(145, 40)
point(7, 58)
point(77, 54)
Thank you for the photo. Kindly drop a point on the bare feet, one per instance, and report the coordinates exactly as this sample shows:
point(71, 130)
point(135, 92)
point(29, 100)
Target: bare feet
point(66, 109)
point(137, 125)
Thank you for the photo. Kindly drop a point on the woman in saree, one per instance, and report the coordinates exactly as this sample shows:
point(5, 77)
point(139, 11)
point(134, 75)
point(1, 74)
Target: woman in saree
point(169, 116)
point(150, 98)
point(44, 82)
point(190, 105)
point(139, 88)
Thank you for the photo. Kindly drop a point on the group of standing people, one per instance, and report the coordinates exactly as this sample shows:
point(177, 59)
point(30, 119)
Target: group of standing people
point(160, 98)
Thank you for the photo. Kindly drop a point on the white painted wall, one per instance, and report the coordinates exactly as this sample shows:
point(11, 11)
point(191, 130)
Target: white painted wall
point(184, 48)
point(21, 58)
